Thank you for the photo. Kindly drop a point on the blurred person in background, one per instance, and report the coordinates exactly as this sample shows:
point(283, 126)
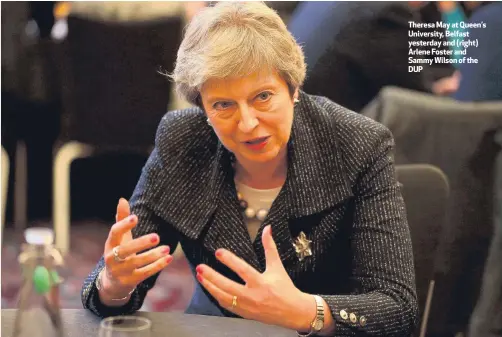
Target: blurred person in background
point(356, 48)
point(123, 11)
point(482, 81)
point(446, 76)
point(135, 10)
point(30, 98)
point(285, 204)
point(453, 14)
point(450, 12)
point(353, 49)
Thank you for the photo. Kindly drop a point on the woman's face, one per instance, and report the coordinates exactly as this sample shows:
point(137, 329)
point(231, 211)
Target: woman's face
point(251, 115)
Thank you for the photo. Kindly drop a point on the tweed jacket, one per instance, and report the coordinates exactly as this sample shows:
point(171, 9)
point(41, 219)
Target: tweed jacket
point(340, 190)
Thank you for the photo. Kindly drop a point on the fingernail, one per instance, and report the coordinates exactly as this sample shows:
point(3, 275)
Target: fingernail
point(153, 239)
point(198, 270)
point(169, 259)
point(131, 218)
point(219, 253)
point(199, 278)
point(165, 250)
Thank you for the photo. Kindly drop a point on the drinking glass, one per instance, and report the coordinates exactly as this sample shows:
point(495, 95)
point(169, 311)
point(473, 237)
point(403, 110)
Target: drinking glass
point(125, 326)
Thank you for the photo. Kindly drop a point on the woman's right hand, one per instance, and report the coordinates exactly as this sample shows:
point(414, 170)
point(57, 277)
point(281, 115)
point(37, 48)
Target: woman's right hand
point(138, 259)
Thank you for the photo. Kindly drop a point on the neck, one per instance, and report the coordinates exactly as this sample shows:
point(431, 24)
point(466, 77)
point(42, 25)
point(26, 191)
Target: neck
point(264, 176)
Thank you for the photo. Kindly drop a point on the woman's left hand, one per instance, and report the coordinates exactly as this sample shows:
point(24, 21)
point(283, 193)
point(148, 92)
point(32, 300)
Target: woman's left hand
point(269, 297)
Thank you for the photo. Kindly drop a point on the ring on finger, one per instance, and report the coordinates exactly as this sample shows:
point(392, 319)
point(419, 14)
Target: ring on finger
point(116, 256)
point(234, 302)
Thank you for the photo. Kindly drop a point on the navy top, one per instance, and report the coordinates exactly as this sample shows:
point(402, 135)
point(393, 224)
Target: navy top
point(482, 81)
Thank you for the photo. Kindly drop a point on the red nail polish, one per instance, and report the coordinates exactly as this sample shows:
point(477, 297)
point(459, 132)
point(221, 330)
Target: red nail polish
point(153, 239)
point(198, 270)
point(131, 219)
point(169, 259)
point(219, 253)
point(165, 250)
point(199, 278)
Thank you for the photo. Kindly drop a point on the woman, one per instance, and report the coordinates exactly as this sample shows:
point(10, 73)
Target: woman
point(275, 196)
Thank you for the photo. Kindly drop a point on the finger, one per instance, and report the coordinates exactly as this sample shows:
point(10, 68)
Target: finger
point(238, 265)
point(224, 299)
point(141, 260)
point(138, 245)
point(120, 228)
point(141, 274)
point(219, 280)
point(272, 258)
point(123, 210)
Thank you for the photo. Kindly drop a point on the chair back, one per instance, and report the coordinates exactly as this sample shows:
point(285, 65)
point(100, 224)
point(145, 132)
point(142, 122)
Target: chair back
point(113, 92)
point(460, 139)
point(425, 191)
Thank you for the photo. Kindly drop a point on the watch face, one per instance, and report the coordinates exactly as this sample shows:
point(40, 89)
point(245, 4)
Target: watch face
point(318, 325)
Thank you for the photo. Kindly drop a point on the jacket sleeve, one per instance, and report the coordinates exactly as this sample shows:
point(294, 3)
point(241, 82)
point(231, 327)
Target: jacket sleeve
point(141, 202)
point(383, 297)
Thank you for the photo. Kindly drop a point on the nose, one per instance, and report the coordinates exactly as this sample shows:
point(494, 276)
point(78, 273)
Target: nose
point(248, 121)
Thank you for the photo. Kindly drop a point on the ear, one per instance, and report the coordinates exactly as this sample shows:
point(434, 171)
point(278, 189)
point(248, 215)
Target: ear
point(296, 95)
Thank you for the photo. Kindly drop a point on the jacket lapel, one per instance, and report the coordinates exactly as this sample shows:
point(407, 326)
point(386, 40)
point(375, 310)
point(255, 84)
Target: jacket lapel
point(278, 220)
point(316, 178)
point(206, 207)
point(227, 229)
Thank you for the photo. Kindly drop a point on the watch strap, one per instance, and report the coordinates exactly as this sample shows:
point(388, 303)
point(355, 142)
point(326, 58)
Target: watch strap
point(318, 317)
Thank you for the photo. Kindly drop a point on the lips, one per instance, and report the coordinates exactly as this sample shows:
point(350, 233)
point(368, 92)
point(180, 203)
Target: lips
point(256, 144)
point(256, 141)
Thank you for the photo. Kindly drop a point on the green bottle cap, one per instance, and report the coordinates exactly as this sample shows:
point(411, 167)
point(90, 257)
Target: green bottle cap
point(41, 280)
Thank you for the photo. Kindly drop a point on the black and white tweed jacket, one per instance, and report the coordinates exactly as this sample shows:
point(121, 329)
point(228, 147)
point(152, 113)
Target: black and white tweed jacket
point(341, 191)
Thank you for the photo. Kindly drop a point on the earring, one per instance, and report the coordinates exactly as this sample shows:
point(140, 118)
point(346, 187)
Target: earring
point(296, 101)
point(209, 122)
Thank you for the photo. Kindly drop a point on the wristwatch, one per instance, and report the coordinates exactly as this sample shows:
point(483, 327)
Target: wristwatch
point(318, 322)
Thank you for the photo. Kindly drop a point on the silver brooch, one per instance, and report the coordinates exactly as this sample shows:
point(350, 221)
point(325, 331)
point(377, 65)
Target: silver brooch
point(302, 246)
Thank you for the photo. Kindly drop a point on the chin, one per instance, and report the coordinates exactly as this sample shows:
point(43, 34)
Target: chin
point(262, 157)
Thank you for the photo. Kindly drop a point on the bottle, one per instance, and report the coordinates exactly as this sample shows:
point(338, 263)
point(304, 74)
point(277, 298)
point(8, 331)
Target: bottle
point(38, 312)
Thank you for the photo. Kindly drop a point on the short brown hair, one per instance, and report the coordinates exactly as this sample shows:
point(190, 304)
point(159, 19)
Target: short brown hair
point(235, 39)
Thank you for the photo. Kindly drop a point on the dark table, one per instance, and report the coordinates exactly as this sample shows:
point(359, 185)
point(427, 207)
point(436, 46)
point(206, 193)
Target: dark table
point(81, 323)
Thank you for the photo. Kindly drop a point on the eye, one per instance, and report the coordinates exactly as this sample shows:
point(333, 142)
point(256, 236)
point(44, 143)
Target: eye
point(264, 96)
point(222, 105)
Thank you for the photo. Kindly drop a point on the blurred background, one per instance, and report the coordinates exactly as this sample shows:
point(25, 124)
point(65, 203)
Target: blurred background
point(83, 91)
